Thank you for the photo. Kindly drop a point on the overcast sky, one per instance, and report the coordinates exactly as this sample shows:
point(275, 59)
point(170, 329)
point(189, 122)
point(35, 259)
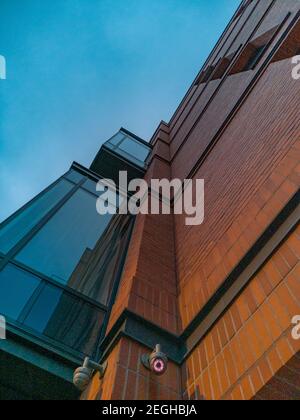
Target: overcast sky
point(78, 70)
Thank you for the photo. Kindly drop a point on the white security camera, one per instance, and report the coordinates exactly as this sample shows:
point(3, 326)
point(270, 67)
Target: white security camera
point(83, 374)
point(157, 361)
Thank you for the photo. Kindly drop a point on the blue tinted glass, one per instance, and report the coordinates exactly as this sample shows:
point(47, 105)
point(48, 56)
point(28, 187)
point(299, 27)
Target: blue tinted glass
point(116, 139)
point(74, 176)
point(138, 150)
point(66, 319)
point(91, 186)
point(16, 287)
point(44, 308)
point(111, 196)
point(19, 226)
point(61, 248)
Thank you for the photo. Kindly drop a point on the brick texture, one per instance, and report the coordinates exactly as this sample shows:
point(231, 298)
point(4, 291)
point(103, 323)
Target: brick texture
point(127, 378)
point(252, 341)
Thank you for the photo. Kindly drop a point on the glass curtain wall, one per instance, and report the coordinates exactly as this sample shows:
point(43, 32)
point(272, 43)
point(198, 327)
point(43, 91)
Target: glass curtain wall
point(130, 148)
point(59, 262)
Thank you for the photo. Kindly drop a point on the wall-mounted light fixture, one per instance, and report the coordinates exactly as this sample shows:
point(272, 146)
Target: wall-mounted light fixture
point(83, 374)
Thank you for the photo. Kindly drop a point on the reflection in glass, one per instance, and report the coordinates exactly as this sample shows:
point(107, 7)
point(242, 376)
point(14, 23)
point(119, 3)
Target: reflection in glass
point(74, 230)
point(66, 319)
point(130, 148)
point(22, 223)
point(16, 288)
point(99, 268)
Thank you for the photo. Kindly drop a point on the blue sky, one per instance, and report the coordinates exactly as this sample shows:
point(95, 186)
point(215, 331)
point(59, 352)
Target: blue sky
point(78, 70)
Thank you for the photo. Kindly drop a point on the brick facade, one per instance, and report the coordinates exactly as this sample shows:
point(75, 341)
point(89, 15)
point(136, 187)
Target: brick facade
point(239, 130)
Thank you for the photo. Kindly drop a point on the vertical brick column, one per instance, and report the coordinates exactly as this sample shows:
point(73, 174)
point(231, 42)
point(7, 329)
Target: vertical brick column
point(148, 288)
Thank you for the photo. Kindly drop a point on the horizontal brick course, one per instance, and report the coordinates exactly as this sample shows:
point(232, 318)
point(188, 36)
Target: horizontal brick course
point(254, 350)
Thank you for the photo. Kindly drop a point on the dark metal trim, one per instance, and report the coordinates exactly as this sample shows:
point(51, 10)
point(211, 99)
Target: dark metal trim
point(139, 139)
point(39, 225)
point(43, 344)
point(43, 278)
point(146, 333)
point(28, 204)
point(122, 158)
point(115, 287)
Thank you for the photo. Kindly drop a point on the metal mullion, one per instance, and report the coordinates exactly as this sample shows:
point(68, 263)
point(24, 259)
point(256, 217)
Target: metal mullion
point(31, 301)
point(115, 288)
point(96, 177)
point(43, 341)
point(25, 240)
point(69, 180)
point(61, 286)
point(29, 203)
point(130, 156)
point(121, 141)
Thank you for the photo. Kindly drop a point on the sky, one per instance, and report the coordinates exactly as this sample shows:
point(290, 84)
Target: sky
point(78, 70)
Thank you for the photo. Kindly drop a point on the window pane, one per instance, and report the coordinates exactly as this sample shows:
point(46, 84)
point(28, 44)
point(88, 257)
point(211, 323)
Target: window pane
point(66, 319)
point(135, 149)
point(91, 186)
point(95, 276)
point(74, 176)
point(16, 287)
point(68, 238)
point(116, 139)
point(15, 230)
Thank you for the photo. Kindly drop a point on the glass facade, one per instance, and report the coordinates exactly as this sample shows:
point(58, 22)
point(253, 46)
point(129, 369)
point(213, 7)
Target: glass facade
point(25, 220)
point(61, 262)
point(16, 289)
point(71, 233)
point(130, 148)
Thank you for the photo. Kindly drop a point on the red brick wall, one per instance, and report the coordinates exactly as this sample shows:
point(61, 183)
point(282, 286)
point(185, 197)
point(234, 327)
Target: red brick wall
point(127, 379)
point(250, 175)
point(285, 384)
point(252, 341)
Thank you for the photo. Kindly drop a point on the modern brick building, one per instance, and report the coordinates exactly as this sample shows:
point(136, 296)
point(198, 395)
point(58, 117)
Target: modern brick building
point(219, 297)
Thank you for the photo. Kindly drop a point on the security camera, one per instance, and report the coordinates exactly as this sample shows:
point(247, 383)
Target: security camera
point(83, 374)
point(157, 361)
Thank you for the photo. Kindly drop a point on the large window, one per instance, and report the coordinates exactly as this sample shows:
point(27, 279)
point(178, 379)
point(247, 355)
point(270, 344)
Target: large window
point(66, 319)
point(49, 310)
point(64, 262)
point(16, 288)
point(65, 242)
point(19, 226)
